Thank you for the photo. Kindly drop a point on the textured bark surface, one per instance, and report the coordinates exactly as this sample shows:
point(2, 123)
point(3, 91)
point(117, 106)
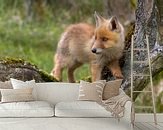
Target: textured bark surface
point(22, 70)
point(159, 4)
point(146, 23)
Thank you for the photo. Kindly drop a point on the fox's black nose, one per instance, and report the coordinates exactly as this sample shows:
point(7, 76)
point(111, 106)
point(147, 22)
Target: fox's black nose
point(94, 50)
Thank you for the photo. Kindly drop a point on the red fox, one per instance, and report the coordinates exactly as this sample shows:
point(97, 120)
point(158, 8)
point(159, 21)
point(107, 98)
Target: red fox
point(99, 46)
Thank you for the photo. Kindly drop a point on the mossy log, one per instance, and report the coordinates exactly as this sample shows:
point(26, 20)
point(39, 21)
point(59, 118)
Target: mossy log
point(22, 70)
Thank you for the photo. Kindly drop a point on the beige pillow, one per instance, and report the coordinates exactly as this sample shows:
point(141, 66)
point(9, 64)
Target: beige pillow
point(18, 84)
point(16, 95)
point(111, 89)
point(91, 91)
point(5, 85)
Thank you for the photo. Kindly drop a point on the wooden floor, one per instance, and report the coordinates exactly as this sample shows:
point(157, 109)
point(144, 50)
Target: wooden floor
point(148, 126)
point(145, 122)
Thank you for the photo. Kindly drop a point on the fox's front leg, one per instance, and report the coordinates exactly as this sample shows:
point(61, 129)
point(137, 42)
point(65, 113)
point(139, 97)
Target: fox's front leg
point(96, 71)
point(115, 69)
point(57, 72)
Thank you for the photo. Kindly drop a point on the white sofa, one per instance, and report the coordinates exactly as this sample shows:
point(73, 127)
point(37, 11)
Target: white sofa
point(70, 114)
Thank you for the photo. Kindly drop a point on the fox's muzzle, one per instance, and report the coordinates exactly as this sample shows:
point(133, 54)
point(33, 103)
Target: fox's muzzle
point(96, 50)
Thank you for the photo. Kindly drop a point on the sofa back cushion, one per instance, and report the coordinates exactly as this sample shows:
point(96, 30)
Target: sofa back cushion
point(55, 92)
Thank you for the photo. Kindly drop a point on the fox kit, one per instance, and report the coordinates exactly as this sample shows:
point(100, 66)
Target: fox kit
point(82, 43)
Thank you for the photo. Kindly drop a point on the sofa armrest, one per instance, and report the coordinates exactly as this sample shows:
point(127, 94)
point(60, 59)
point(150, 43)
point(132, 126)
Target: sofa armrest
point(127, 112)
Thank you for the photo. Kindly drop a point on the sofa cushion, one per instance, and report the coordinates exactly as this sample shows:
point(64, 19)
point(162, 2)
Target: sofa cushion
point(16, 95)
point(80, 109)
point(26, 109)
point(111, 89)
point(91, 91)
point(18, 84)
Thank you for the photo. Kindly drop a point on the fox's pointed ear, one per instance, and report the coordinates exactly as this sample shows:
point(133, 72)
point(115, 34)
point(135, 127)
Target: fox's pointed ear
point(114, 24)
point(98, 18)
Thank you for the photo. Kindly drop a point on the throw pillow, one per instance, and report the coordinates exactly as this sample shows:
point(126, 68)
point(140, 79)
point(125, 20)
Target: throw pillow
point(91, 91)
point(18, 84)
point(111, 89)
point(5, 85)
point(16, 95)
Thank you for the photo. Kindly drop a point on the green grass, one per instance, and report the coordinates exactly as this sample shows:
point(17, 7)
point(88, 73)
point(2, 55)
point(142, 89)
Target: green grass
point(31, 42)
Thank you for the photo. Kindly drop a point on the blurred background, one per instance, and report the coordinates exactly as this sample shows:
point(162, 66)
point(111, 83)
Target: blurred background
point(30, 30)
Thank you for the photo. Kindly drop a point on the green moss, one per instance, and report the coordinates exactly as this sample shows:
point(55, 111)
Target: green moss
point(47, 77)
point(88, 79)
point(13, 61)
point(159, 104)
point(157, 78)
point(133, 3)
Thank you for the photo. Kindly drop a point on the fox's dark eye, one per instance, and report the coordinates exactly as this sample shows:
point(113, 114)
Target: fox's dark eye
point(95, 37)
point(104, 39)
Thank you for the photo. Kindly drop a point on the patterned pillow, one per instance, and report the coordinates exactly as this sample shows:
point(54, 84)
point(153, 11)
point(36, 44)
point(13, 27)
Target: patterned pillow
point(16, 95)
point(91, 91)
point(111, 89)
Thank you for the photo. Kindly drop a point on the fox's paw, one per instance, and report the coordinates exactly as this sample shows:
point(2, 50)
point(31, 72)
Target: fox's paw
point(118, 75)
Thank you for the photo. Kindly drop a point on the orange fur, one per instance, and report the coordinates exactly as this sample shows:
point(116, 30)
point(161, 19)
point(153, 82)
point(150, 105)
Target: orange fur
point(82, 43)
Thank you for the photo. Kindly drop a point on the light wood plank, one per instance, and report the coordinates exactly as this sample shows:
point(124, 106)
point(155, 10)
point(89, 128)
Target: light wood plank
point(141, 126)
point(158, 125)
point(136, 128)
point(152, 126)
point(161, 124)
point(148, 126)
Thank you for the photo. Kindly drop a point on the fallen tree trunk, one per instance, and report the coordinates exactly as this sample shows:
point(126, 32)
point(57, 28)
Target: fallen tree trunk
point(22, 70)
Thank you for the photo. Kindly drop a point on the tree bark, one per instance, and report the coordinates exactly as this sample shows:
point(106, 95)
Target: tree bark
point(159, 4)
point(146, 23)
point(22, 70)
